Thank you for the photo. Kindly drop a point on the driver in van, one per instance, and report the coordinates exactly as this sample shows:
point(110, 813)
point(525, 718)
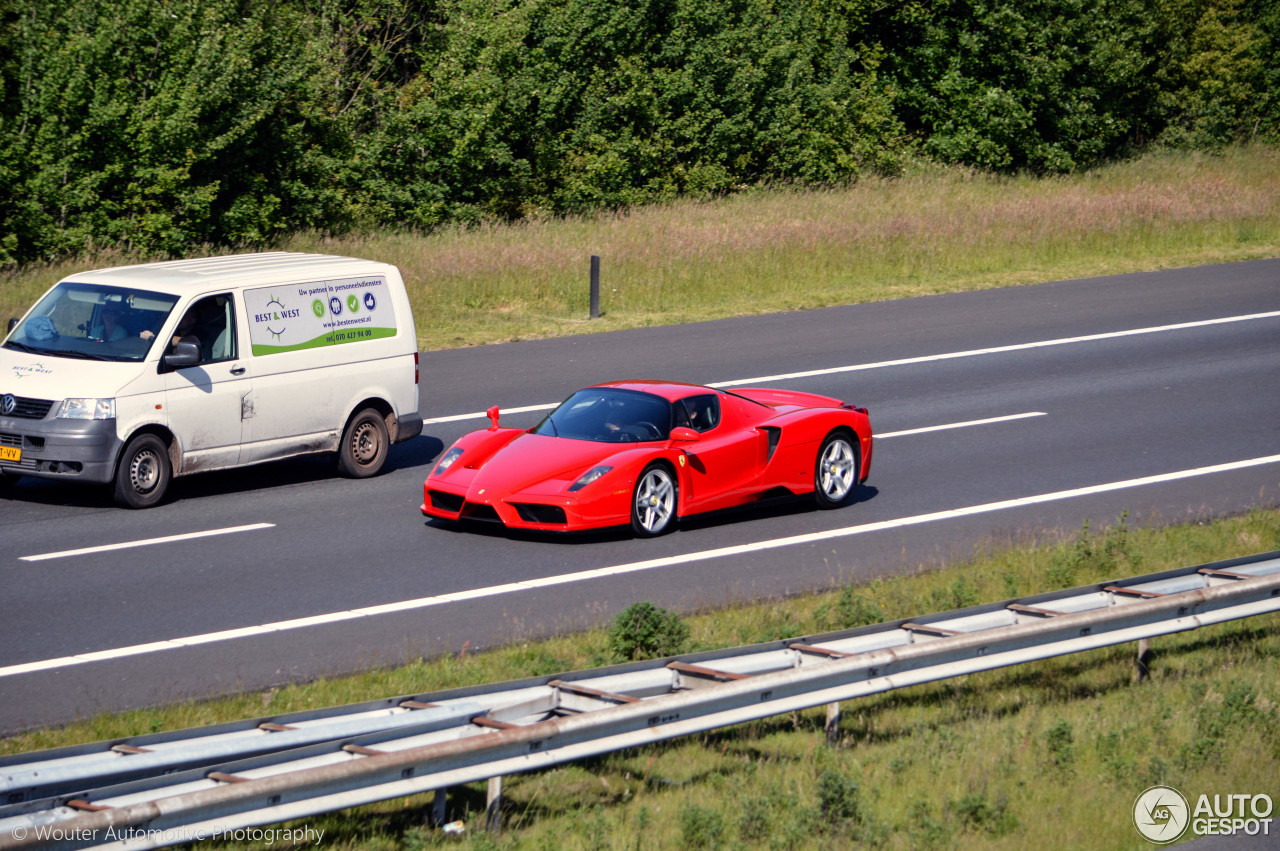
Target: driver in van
point(185, 332)
point(111, 330)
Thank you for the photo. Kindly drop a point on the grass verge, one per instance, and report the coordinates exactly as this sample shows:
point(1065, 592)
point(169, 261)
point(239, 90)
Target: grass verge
point(1050, 754)
point(934, 230)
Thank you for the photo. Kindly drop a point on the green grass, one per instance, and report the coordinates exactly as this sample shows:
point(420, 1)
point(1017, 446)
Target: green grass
point(934, 230)
point(1049, 755)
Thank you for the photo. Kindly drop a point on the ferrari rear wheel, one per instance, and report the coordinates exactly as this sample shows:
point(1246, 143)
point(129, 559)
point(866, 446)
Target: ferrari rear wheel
point(653, 507)
point(835, 473)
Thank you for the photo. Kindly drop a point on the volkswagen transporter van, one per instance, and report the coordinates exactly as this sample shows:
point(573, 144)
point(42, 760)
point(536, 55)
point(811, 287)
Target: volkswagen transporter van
point(136, 374)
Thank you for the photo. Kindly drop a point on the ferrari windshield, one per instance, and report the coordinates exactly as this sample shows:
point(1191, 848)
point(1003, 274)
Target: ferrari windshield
point(609, 415)
point(93, 322)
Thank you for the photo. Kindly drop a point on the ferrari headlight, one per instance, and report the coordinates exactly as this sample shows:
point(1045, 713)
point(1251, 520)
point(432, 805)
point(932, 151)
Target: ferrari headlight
point(87, 409)
point(589, 477)
point(447, 460)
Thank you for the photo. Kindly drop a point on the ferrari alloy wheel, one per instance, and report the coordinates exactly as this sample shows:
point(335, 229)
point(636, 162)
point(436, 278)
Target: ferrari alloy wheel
point(654, 505)
point(836, 472)
point(364, 445)
point(143, 475)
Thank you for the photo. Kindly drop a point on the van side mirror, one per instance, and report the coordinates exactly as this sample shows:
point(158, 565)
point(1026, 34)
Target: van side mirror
point(184, 354)
point(13, 323)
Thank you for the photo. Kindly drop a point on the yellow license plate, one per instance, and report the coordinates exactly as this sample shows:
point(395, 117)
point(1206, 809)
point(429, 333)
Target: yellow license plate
point(10, 453)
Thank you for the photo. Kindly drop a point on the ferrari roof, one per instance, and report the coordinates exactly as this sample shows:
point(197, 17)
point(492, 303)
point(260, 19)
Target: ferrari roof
point(669, 390)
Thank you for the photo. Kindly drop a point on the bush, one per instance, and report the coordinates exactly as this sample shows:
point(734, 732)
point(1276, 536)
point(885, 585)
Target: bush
point(645, 631)
point(1061, 743)
point(700, 827)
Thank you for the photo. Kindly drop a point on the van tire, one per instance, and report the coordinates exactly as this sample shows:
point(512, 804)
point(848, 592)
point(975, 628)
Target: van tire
point(364, 445)
point(142, 477)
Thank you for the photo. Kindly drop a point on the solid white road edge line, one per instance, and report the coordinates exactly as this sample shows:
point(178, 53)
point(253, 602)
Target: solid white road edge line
point(1017, 347)
point(634, 567)
point(967, 424)
point(106, 548)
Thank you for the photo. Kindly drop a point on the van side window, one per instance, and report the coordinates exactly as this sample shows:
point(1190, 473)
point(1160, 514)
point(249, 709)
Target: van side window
point(215, 327)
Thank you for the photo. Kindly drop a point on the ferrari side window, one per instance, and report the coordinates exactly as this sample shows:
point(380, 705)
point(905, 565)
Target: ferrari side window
point(700, 413)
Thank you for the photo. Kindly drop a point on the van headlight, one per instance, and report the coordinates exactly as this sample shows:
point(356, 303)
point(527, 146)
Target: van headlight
point(87, 409)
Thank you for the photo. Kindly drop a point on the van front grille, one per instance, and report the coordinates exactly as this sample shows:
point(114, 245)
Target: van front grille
point(24, 408)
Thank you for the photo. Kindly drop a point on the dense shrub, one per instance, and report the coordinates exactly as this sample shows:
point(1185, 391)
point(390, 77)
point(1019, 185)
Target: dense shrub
point(645, 631)
point(158, 126)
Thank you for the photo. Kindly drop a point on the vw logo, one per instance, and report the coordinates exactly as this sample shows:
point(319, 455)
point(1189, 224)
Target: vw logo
point(7, 404)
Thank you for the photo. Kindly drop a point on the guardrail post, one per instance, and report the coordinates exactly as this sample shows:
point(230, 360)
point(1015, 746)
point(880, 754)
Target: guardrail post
point(438, 800)
point(832, 726)
point(493, 806)
point(1144, 658)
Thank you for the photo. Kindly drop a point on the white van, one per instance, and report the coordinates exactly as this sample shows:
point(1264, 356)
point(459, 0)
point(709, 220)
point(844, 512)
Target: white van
point(136, 374)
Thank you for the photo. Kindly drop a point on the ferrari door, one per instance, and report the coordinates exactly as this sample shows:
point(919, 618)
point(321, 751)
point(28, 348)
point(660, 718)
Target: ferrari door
point(725, 463)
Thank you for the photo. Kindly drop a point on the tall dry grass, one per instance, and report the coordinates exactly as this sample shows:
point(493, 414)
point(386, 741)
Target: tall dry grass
point(933, 230)
point(936, 230)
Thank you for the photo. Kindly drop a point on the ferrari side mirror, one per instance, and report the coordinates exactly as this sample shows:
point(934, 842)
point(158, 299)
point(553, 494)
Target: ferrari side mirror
point(493, 416)
point(684, 434)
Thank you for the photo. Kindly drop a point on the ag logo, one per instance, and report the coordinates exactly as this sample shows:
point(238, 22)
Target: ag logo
point(317, 307)
point(1160, 814)
point(335, 306)
point(369, 301)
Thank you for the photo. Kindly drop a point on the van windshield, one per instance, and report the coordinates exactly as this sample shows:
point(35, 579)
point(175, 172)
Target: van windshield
point(93, 322)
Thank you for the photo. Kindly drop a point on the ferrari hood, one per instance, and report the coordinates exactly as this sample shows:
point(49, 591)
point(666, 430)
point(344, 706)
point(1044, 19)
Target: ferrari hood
point(532, 459)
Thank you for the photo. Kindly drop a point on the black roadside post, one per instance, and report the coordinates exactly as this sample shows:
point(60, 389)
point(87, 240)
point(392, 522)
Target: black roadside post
point(595, 286)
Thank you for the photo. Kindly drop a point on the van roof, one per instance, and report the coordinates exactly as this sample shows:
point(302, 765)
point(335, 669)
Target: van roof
point(182, 276)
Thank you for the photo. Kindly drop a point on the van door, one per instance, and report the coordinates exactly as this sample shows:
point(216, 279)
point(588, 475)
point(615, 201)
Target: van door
point(210, 405)
point(314, 354)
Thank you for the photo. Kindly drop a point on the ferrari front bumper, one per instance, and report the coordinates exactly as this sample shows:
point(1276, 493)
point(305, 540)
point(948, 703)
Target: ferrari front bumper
point(562, 514)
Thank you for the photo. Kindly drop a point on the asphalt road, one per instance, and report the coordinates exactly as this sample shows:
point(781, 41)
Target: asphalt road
point(321, 575)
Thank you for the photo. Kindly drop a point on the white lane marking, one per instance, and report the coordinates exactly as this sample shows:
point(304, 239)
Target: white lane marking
point(106, 548)
point(967, 424)
point(1017, 347)
point(634, 567)
point(459, 417)
point(835, 370)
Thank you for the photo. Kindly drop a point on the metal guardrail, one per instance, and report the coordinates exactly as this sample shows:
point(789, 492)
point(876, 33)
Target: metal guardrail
point(163, 789)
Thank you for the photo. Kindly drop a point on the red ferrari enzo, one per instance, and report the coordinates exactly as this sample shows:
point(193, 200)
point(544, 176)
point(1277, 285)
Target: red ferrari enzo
point(649, 452)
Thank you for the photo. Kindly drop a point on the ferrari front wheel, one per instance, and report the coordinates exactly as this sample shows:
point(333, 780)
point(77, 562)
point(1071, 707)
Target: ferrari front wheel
point(653, 506)
point(835, 473)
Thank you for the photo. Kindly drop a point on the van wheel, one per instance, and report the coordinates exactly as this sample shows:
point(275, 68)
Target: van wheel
point(364, 445)
point(144, 472)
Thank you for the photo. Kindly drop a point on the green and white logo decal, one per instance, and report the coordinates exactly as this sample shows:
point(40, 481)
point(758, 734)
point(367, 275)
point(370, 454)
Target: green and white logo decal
point(324, 313)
